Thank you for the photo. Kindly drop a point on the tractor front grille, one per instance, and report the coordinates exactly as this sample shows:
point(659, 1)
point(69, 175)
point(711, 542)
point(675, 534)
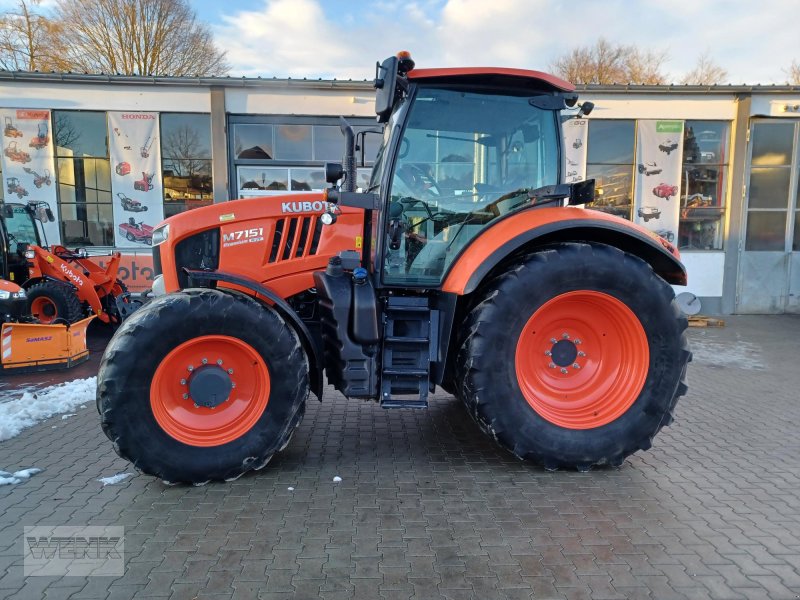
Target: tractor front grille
point(198, 252)
point(294, 237)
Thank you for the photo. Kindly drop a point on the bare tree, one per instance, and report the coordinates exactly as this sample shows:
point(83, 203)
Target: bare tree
point(705, 72)
point(143, 37)
point(181, 148)
point(29, 41)
point(793, 73)
point(606, 63)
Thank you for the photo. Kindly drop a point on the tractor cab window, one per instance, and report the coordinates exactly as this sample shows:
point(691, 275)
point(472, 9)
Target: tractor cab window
point(465, 160)
point(21, 228)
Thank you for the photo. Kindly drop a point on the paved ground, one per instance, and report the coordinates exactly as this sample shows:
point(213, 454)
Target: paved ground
point(429, 508)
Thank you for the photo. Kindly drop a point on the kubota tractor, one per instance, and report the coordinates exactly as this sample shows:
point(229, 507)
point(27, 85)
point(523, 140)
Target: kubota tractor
point(556, 326)
point(13, 153)
point(42, 137)
point(13, 187)
point(10, 129)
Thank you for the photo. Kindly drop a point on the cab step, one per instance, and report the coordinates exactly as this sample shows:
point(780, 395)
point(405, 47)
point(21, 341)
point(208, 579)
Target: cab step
point(409, 341)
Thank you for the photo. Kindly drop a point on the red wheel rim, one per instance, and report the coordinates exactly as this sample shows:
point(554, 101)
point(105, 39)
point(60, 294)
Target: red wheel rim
point(582, 359)
point(44, 309)
point(175, 410)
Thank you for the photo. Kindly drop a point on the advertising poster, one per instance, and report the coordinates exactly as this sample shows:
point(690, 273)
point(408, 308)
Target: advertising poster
point(575, 135)
point(658, 176)
point(28, 164)
point(135, 177)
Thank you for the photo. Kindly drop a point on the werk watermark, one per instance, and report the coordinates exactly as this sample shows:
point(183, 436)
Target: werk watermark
point(70, 550)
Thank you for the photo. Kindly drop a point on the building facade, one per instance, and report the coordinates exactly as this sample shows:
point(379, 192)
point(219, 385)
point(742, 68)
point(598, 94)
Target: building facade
point(713, 169)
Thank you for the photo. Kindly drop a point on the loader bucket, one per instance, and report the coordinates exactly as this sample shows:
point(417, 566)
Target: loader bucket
point(28, 347)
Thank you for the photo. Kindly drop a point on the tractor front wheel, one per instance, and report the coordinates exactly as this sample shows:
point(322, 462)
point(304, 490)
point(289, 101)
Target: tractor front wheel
point(575, 357)
point(202, 385)
point(49, 301)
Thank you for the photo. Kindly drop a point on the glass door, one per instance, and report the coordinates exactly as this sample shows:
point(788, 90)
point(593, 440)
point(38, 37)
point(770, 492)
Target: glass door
point(769, 266)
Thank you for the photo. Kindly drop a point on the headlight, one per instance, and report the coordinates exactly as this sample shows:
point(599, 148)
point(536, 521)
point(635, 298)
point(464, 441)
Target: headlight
point(19, 294)
point(30, 254)
point(160, 234)
point(158, 286)
point(5, 295)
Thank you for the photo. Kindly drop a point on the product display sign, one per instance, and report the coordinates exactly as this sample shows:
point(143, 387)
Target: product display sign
point(28, 164)
point(576, 132)
point(658, 176)
point(135, 177)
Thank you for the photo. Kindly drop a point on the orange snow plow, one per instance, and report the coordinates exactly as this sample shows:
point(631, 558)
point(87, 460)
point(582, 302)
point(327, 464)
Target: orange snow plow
point(38, 347)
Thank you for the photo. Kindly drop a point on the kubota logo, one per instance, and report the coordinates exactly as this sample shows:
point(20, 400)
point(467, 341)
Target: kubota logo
point(68, 272)
point(296, 207)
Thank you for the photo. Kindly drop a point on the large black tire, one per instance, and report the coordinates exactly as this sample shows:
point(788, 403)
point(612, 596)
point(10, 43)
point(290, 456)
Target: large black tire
point(142, 342)
point(486, 369)
point(52, 295)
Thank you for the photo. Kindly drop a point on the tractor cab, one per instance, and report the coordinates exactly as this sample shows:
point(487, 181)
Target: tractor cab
point(462, 148)
point(18, 230)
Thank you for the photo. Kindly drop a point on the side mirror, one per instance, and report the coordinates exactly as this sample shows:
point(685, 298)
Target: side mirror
point(333, 172)
point(386, 86)
point(581, 192)
point(586, 109)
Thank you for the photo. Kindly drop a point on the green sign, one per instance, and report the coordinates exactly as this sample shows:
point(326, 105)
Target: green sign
point(669, 126)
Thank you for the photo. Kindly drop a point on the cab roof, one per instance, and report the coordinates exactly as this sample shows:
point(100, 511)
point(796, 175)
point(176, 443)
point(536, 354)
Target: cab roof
point(499, 77)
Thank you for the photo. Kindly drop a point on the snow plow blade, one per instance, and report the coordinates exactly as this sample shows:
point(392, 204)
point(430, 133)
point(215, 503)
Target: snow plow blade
point(30, 347)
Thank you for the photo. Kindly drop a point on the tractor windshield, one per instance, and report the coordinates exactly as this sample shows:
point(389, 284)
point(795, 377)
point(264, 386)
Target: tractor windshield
point(20, 227)
point(465, 160)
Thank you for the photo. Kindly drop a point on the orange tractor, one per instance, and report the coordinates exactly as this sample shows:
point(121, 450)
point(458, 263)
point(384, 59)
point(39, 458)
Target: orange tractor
point(61, 285)
point(555, 325)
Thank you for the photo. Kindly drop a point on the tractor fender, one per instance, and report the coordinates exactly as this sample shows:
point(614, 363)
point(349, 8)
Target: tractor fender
point(284, 309)
point(536, 227)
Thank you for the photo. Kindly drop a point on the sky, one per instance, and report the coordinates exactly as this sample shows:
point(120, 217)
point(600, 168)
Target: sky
point(755, 41)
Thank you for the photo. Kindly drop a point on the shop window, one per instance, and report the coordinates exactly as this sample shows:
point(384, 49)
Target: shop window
point(253, 141)
point(610, 162)
point(84, 178)
point(186, 161)
point(705, 170)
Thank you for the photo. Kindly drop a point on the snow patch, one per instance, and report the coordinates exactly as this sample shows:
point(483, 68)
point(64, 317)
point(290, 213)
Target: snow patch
point(7, 478)
point(114, 479)
point(337, 479)
point(67, 416)
point(291, 489)
point(33, 407)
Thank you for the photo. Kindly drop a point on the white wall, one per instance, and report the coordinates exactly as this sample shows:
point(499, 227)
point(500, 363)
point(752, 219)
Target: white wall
point(98, 96)
point(661, 106)
point(775, 106)
point(299, 101)
point(705, 270)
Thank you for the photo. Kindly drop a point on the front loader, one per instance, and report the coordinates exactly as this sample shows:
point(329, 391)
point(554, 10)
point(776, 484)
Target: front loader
point(555, 325)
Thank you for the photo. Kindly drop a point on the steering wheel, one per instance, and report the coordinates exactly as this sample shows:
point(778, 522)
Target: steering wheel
point(417, 180)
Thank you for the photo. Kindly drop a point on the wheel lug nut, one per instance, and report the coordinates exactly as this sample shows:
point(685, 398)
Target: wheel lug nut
point(563, 370)
point(552, 365)
point(576, 366)
point(186, 396)
point(197, 405)
point(553, 340)
point(190, 368)
point(219, 361)
point(183, 382)
point(577, 341)
point(205, 361)
point(565, 336)
point(230, 371)
point(548, 353)
point(581, 353)
point(233, 384)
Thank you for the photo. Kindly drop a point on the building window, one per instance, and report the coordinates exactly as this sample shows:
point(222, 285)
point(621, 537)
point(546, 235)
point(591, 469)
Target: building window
point(186, 161)
point(280, 155)
point(84, 178)
point(705, 169)
point(610, 162)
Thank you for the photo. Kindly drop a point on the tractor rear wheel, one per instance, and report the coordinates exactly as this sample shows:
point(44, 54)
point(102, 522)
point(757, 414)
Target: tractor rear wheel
point(50, 301)
point(575, 357)
point(202, 385)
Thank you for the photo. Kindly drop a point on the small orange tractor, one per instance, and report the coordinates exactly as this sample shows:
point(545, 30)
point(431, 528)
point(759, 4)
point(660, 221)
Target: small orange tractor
point(13, 187)
point(39, 180)
point(61, 285)
point(13, 152)
point(42, 138)
point(555, 325)
point(11, 130)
